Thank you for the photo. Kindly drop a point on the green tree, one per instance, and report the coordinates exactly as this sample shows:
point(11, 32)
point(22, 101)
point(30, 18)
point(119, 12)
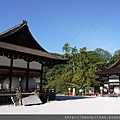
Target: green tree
point(115, 57)
point(74, 52)
point(66, 48)
point(79, 72)
point(84, 76)
point(105, 55)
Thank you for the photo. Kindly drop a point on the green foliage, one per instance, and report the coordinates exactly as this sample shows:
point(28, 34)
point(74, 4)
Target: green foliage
point(115, 57)
point(105, 55)
point(66, 48)
point(79, 72)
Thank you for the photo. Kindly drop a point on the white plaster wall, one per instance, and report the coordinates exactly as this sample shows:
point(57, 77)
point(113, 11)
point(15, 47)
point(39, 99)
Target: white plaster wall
point(113, 78)
point(19, 63)
point(35, 65)
point(4, 61)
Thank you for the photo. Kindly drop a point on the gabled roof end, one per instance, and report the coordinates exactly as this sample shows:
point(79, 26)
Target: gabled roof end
point(24, 22)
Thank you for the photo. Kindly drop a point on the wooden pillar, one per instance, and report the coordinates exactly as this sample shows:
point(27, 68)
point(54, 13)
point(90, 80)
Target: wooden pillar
point(108, 88)
point(27, 76)
point(108, 85)
point(41, 77)
point(10, 73)
point(119, 85)
point(20, 97)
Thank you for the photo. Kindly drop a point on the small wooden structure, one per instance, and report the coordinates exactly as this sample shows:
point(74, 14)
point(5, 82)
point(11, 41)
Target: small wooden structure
point(111, 78)
point(21, 61)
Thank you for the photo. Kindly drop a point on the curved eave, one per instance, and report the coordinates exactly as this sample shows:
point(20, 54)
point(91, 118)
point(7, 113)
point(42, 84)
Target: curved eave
point(113, 69)
point(8, 50)
point(115, 64)
point(110, 71)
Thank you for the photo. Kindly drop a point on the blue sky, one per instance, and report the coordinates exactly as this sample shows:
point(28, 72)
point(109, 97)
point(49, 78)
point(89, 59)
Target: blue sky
point(81, 23)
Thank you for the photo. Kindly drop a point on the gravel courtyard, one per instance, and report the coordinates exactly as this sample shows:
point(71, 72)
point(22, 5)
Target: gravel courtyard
point(69, 105)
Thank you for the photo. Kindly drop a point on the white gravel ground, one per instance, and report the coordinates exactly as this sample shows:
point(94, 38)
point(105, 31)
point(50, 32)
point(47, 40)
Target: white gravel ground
point(78, 105)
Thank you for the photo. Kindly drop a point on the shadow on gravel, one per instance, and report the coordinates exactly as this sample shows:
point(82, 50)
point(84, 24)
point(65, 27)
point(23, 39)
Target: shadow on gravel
point(63, 97)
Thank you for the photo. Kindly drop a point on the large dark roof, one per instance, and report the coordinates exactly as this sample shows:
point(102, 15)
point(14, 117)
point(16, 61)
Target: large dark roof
point(113, 69)
point(20, 35)
point(19, 42)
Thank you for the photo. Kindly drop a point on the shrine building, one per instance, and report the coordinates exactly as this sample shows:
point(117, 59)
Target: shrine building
point(22, 60)
point(111, 78)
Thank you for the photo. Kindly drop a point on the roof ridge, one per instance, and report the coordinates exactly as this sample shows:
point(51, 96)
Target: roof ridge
point(24, 22)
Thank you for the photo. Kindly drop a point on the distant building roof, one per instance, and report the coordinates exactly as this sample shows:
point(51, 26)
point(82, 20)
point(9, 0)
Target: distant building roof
point(113, 69)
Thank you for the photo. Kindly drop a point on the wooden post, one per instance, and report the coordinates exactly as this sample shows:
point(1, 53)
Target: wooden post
point(119, 86)
point(108, 86)
point(41, 77)
point(20, 94)
point(10, 73)
point(27, 76)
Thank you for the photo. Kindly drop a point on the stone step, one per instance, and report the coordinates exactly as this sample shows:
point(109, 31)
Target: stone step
point(31, 100)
